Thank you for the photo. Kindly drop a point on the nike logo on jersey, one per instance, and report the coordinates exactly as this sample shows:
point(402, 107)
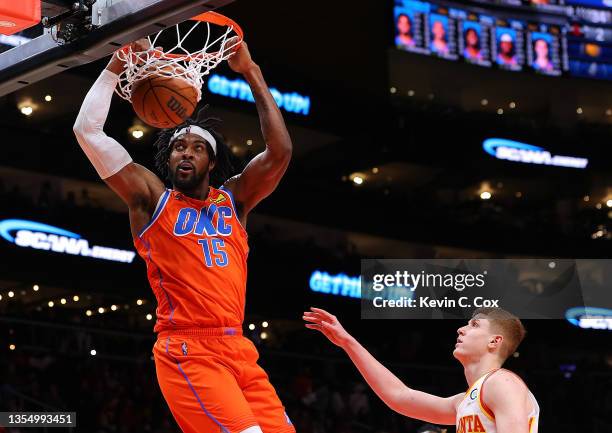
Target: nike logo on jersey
point(220, 199)
point(203, 221)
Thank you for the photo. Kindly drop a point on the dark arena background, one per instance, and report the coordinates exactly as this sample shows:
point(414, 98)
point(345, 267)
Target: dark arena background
point(390, 160)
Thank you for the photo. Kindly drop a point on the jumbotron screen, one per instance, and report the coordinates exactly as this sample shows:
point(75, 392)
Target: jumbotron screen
point(555, 39)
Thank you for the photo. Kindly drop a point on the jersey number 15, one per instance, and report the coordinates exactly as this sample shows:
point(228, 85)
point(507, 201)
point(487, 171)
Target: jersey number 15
point(214, 252)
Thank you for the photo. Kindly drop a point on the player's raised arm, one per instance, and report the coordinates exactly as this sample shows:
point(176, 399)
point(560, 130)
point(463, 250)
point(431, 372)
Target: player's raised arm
point(264, 172)
point(386, 385)
point(137, 186)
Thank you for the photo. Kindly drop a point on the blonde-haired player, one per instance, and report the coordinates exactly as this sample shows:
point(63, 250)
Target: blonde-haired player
point(483, 345)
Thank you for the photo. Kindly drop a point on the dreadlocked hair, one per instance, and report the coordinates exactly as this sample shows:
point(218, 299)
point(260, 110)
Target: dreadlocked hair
point(224, 165)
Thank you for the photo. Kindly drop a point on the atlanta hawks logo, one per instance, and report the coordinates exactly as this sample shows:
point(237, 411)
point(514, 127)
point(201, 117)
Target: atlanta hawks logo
point(470, 424)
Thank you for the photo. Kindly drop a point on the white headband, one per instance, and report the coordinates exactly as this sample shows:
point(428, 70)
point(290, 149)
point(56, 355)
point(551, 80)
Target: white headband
point(194, 129)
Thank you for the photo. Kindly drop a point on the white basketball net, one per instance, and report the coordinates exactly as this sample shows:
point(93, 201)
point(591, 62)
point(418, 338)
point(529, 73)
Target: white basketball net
point(176, 62)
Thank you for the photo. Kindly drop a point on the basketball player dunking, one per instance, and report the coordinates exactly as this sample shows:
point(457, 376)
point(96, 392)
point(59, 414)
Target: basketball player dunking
point(193, 241)
point(483, 345)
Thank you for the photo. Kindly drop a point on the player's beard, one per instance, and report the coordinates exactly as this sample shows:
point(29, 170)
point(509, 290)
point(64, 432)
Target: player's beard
point(188, 182)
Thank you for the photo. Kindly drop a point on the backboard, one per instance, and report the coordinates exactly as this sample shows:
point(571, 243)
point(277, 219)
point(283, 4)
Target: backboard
point(101, 27)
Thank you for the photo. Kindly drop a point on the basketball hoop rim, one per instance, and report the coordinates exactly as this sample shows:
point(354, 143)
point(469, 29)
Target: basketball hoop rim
point(189, 66)
point(212, 18)
point(220, 20)
point(207, 17)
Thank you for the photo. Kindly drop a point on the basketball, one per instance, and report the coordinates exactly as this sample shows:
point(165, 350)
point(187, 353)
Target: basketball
point(164, 102)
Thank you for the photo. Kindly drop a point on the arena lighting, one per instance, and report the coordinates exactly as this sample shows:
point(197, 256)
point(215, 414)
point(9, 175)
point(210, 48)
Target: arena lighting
point(485, 195)
point(590, 318)
point(579, 110)
point(609, 203)
point(75, 298)
point(500, 111)
point(340, 284)
point(11, 294)
point(149, 316)
point(510, 150)
point(35, 287)
point(114, 307)
point(512, 105)
point(93, 352)
point(40, 236)
point(51, 304)
point(586, 198)
point(48, 98)
point(264, 324)
point(0, 297)
point(375, 170)
point(12, 347)
point(63, 301)
point(26, 110)
point(393, 90)
point(139, 302)
point(137, 131)
point(263, 335)
point(484, 102)
point(252, 326)
point(88, 313)
point(101, 310)
point(357, 178)
point(410, 92)
point(249, 142)
point(239, 89)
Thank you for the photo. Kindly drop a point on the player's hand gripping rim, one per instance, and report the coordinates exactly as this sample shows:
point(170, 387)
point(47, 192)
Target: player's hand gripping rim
point(138, 51)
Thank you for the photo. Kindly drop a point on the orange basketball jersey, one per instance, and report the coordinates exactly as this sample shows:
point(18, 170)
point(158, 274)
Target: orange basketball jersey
point(196, 255)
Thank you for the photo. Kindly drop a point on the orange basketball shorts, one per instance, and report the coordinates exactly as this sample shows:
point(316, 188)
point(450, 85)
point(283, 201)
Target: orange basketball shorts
point(212, 383)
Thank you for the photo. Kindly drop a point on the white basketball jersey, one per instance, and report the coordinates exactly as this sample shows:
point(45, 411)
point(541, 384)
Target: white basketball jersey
point(473, 416)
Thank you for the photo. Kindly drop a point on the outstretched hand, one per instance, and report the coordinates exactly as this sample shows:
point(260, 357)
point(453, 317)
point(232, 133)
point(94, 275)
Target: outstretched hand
point(241, 60)
point(328, 324)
